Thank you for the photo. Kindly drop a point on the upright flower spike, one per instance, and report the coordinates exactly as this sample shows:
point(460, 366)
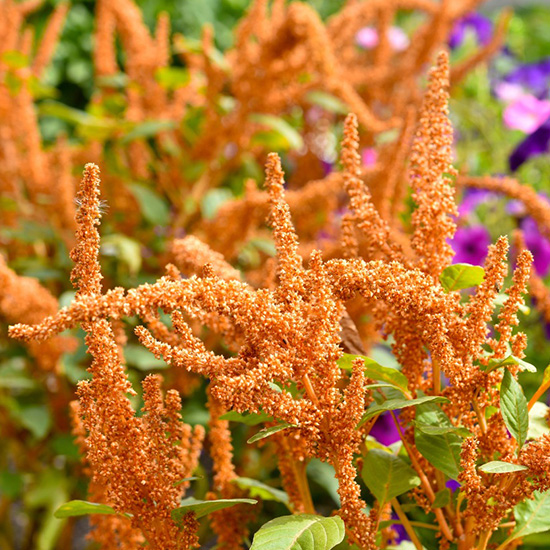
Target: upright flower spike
point(430, 176)
point(86, 274)
point(289, 263)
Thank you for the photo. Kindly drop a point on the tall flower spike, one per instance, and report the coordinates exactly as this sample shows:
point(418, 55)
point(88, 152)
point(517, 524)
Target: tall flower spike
point(290, 268)
point(373, 228)
point(86, 274)
point(431, 167)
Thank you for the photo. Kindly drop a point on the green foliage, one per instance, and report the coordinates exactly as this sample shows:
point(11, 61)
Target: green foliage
point(387, 476)
point(441, 450)
point(202, 508)
point(303, 531)
point(459, 276)
point(514, 408)
point(499, 467)
point(82, 508)
point(532, 516)
point(266, 432)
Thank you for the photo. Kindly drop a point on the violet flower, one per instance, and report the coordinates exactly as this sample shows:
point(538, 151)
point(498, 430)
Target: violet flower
point(538, 245)
point(471, 198)
point(533, 145)
point(470, 244)
point(534, 77)
point(479, 24)
point(384, 429)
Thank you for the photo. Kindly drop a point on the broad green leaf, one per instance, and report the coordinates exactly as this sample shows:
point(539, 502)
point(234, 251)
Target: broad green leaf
point(211, 202)
point(328, 102)
point(147, 129)
point(249, 419)
point(387, 476)
point(513, 407)
point(11, 484)
point(36, 418)
point(538, 425)
point(142, 359)
point(438, 430)
point(394, 404)
point(202, 508)
point(14, 59)
point(82, 508)
point(510, 360)
point(127, 250)
point(172, 78)
point(532, 516)
point(280, 126)
point(458, 276)
point(500, 467)
point(299, 532)
point(266, 432)
point(377, 372)
point(153, 207)
point(442, 450)
point(257, 489)
point(442, 498)
point(324, 475)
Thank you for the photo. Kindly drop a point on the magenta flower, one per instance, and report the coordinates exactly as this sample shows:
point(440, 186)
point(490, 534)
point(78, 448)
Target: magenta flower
point(526, 113)
point(369, 156)
point(470, 244)
point(367, 38)
point(538, 245)
point(471, 199)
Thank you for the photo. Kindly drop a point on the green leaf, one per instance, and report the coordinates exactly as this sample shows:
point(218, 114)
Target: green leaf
point(142, 359)
point(172, 78)
point(438, 430)
point(510, 360)
point(387, 475)
point(257, 489)
point(36, 418)
point(14, 59)
point(324, 475)
point(500, 467)
point(394, 404)
point(11, 484)
point(458, 276)
point(249, 419)
point(513, 407)
point(299, 532)
point(281, 127)
point(202, 508)
point(153, 207)
point(532, 516)
point(377, 372)
point(147, 129)
point(266, 432)
point(538, 426)
point(442, 498)
point(127, 250)
point(82, 508)
point(213, 200)
point(441, 450)
point(328, 102)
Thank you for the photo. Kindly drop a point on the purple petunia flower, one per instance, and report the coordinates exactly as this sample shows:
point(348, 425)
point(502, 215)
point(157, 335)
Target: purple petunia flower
point(533, 145)
point(384, 429)
point(538, 245)
point(471, 199)
point(479, 24)
point(534, 77)
point(452, 485)
point(470, 244)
